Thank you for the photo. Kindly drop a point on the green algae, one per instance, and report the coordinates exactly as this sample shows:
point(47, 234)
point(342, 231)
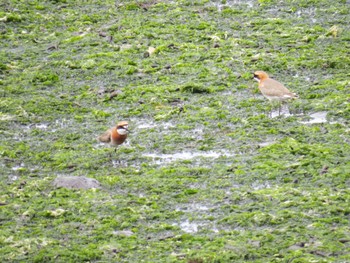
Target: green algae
point(277, 190)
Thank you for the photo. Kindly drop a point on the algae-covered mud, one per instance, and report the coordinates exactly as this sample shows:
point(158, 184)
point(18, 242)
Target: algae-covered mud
point(210, 172)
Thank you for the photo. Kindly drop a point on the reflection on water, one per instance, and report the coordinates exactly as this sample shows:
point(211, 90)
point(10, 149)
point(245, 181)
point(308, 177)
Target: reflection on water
point(316, 117)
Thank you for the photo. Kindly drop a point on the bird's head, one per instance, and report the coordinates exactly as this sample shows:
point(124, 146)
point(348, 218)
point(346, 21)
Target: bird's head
point(122, 128)
point(260, 75)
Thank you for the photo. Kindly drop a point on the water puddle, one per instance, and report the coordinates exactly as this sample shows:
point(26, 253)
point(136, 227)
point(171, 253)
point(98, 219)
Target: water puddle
point(316, 117)
point(6, 117)
point(306, 12)
point(195, 207)
point(283, 111)
point(275, 114)
point(52, 127)
point(231, 3)
point(41, 126)
point(17, 167)
point(147, 124)
point(119, 163)
point(193, 227)
point(259, 185)
point(164, 158)
point(265, 144)
point(188, 227)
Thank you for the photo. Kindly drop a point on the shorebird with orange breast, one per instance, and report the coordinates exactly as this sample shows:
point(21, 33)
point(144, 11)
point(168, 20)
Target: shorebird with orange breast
point(115, 136)
point(272, 89)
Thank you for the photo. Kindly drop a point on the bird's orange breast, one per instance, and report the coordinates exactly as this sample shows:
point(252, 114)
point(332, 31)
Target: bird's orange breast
point(116, 138)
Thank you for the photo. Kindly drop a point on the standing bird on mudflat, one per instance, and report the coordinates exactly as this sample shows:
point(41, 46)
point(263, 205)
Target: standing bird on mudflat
point(115, 136)
point(272, 89)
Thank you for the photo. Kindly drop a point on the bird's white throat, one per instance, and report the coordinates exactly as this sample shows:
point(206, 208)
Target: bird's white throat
point(122, 131)
point(258, 80)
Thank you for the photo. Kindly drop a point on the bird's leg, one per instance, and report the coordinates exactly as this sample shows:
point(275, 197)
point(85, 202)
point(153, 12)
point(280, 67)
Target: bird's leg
point(115, 153)
point(279, 109)
point(269, 110)
point(117, 161)
point(273, 109)
point(110, 153)
point(285, 108)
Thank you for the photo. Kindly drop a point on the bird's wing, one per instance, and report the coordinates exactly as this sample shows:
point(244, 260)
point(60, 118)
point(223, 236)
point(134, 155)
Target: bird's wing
point(105, 137)
point(279, 89)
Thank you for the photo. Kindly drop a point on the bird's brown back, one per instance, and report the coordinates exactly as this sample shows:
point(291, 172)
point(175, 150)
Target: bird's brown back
point(273, 88)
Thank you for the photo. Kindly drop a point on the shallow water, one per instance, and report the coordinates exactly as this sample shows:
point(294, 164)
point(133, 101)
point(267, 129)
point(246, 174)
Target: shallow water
point(193, 227)
point(231, 3)
point(188, 227)
point(316, 117)
point(148, 124)
point(282, 111)
point(166, 158)
point(193, 207)
point(17, 167)
point(259, 186)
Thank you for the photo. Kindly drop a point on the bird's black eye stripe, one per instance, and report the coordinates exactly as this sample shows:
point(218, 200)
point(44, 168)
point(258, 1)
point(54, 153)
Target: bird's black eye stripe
point(256, 76)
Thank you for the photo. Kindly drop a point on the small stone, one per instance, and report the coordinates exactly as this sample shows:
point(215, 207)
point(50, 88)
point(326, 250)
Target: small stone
point(76, 182)
point(115, 93)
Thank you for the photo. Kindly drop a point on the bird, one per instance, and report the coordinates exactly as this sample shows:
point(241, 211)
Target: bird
point(272, 89)
point(115, 136)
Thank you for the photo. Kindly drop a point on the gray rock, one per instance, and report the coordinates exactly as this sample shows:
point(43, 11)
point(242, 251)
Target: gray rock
point(76, 182)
